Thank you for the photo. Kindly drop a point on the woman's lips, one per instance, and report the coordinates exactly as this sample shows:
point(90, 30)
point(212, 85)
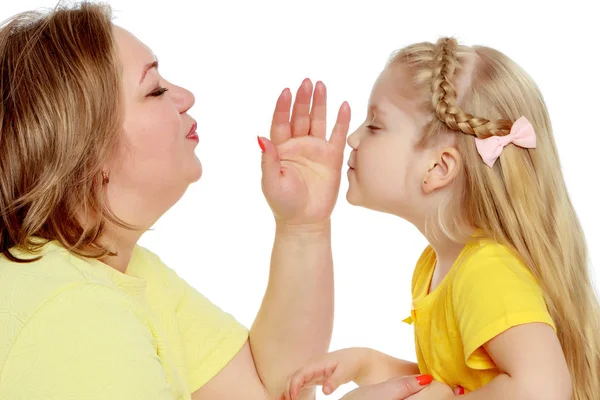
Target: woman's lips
point(192, 134)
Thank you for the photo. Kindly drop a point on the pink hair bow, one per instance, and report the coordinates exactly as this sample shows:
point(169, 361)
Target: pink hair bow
point(521, 134)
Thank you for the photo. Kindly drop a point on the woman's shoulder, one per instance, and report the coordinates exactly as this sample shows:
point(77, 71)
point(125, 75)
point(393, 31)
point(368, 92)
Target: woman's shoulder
point(150, 267)
point(83, 327)
point(28, 289)
point(55, 269)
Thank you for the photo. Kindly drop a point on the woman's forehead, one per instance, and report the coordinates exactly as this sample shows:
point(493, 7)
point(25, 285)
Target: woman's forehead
point(134, 54)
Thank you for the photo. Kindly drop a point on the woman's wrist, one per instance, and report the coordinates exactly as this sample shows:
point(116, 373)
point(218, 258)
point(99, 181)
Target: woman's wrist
point(320, 229)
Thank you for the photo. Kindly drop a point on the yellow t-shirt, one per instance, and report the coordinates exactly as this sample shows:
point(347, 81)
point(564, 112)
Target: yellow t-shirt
point(75, 328)
point(487, 291)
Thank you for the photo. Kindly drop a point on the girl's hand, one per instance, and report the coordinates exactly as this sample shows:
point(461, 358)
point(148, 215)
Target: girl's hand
point(330, 371)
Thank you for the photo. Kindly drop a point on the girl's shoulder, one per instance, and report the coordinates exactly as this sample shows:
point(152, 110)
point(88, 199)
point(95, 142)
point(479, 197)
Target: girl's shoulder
point(485, 258)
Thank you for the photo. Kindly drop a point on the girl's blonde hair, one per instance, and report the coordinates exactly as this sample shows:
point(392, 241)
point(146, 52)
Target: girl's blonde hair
point(522, 201)
point(60, 119)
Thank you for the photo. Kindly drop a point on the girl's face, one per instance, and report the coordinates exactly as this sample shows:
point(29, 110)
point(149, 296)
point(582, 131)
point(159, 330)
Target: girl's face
point(385, 173)
point(389, 171)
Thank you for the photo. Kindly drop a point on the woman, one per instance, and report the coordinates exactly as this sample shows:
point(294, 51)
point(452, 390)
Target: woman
point(94, 147)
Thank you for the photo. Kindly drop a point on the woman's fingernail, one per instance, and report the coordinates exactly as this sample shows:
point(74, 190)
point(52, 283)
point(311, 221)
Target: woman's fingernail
point(261, 143)
point(461, 390)
point(424, 379)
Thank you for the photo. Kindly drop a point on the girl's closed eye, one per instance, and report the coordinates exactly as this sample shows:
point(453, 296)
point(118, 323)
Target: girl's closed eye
point(372, 128)
point(158, 92)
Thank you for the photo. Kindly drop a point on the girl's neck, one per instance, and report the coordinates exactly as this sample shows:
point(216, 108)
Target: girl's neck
point(446, 252)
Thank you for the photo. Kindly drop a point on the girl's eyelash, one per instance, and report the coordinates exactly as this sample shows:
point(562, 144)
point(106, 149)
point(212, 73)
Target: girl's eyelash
point(158, 92)
point(372, 128)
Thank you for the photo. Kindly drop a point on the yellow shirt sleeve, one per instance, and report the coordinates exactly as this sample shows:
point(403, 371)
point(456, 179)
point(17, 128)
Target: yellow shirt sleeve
point(86, 342)
point(211, 337)
point(492, 292)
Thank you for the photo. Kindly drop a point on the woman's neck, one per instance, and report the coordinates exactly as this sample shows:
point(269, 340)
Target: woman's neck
point(121, 243)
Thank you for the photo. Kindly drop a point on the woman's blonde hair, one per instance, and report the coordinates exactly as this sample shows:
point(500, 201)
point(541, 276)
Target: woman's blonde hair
point(60, 119)
point(522, 201)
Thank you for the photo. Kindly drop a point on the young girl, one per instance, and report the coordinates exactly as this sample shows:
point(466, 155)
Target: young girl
point(458, 141)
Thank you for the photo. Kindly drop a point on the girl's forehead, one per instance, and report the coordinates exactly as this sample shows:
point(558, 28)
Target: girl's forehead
point(386, 105)
point(396, 85)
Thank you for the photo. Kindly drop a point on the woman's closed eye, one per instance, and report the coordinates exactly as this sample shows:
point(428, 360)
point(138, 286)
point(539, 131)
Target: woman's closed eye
point(158, 92)
point(373, 128)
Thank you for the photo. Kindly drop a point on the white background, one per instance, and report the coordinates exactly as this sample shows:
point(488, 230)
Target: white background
point(237, 56)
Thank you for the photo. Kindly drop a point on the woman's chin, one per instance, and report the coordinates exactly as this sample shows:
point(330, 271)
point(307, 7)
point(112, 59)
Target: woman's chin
point(195, 171)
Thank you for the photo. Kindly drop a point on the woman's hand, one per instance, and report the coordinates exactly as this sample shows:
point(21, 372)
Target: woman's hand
point(394, 389)
point(436, 391)
point(405, 388)
point(301, 168)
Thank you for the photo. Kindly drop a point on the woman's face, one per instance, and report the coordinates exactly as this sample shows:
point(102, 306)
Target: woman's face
point(156, 161)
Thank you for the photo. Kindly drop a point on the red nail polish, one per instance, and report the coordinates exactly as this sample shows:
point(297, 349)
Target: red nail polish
point(461, 390)
point(424, 379)
point(261, 144)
